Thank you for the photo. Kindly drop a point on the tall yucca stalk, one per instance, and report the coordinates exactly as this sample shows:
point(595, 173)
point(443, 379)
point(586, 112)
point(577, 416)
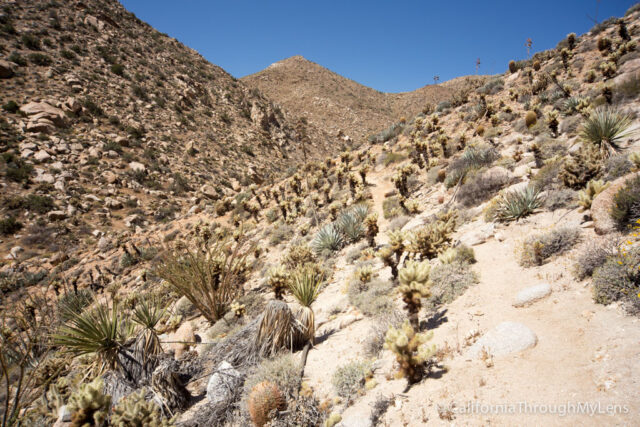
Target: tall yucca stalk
point(305, 287)
point(606, 128)
point(210, 276)
point(98, 331)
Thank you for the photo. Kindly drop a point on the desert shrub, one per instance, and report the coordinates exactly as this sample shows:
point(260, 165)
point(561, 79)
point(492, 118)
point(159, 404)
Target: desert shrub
point(617, 166)
point(74, 302)
point(17, 170)
point(538, 248)
point(618, 279)
point(435, 237)
point(398, 222)
point(93, 108)
point(281, 233)
point(373, 298)
point(448, 281)
point(628, 88)
point(626, 204)
point(387, 134)
point(472, 158)
point(67, 54)
point(30, 41)
point(593, 254)
point(548, 174)
point(516, 204)
point(9, 225)
point(391, 157)
point(492, 87)
point(11, 107)
point(443, 106)
point(117, 69)
point(348, 379)
point(391, 207)
point(461, 253)
point(298, 254)
point(559, 199)
point(40, 59)
point(481, 187)
point(210, 275)
point(38, 204)
point(18, 59)
point(283, 370)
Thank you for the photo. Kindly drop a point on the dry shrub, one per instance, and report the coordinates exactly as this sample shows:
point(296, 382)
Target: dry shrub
point(538, 248)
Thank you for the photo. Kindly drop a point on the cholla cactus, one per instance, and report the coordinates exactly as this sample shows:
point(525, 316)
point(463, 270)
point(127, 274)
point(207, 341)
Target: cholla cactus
point(88, 405)
point(346, 157)
point(238, 309)
point(134, 410)
point(371, 228)
point(414, 284)
point(265, 397)
point(552, 121)
point(390, 255)
point(635, 159)
point(353, 183)
point(278, 280)
point(433, 238)
point(326, 190)
point(608, 69)
point(364, 274)
point(586, 196)
point(411, 351)
point(363, 173)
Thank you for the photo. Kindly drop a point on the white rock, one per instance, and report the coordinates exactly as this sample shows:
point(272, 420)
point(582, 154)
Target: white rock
point(137, 167)
point(532, 294)
point(42, 156)
point(222, 383)
point(506, 338)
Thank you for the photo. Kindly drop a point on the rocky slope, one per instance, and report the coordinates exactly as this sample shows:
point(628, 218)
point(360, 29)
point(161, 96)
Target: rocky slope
point(335, 103)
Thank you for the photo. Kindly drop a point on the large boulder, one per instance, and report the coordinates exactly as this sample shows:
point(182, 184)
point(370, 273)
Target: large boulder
point(506, 338)
point(44, 116)
point(223, 383)
point(602, 204)
point(6, 69)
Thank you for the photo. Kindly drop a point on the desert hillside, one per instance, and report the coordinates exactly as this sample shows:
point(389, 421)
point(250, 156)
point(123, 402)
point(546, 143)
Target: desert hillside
point(475, 262)
point(338, 104)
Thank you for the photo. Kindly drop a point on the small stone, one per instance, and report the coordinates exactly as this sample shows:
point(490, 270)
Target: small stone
point(531, 294)
point(506, 338)
point(137, 167)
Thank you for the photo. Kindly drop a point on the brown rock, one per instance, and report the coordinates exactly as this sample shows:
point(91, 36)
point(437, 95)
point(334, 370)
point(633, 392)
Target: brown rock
point(601, 206)
point(6, 69)
point(41, 112)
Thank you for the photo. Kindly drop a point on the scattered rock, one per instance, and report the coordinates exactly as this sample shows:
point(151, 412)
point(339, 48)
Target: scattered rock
point(56, 215)
point(6, 69)
point(531, 294)
point(506, 338)
point(222, 383)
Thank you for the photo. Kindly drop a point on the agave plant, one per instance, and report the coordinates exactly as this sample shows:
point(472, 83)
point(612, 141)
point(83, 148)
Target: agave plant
point(606, 128)
point(328, 238)
point(351, 226)
point(305, 286)
point(517, 204)
point(98, 331)
point(360, 211)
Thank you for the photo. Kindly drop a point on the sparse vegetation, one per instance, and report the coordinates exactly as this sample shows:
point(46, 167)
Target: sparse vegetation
point(538, 248)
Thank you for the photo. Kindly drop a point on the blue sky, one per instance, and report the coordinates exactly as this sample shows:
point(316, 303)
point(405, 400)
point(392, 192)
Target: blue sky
point(392, 46)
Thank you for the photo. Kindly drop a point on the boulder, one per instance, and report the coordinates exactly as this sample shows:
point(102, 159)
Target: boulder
point(137, 167)
point(43, 112)
point(532, 294)
point(6, 69)
point(72, 105)
point(506, 338)
point(223, 383)
point(209, 192)
point(42, 156)
point(601, 205)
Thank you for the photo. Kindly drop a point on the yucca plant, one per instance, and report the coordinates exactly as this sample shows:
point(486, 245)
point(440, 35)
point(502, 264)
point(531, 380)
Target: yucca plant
point(148, 314)
point(98, 331)
point(305, 286)
point(210, 275)
point(328, 239)
point(360, 211)
point(517, 204)
point(606, 128)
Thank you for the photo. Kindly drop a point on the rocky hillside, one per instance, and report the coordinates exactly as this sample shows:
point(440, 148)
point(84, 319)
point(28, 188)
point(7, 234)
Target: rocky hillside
point(106, 121)
point(477, 264)
point(335, 103)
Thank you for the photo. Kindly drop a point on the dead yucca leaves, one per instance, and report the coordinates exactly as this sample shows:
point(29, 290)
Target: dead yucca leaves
point(210, 275)
point(278, 329)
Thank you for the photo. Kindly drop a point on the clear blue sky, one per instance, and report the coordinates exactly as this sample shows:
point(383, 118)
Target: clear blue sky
point(392, 46)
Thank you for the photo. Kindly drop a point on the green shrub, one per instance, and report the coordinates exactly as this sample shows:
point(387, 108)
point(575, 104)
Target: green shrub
point(481, 187)
point(40, 59)
point(387, 134)
point(17, 169)
point(537, 249)
point(117, 69)
point(348, 379)
point(9, 225)
point(618, 279)
point(474, 157)
point(626, 204)
point(284, 371)
point(281, 233)
point(11, 107)
point(593, 254)
point(373, 298)
point(448, 281)
point(67, 54)
point(93, 108)
point(391, 207)
point(30, 41)
point(38, 204)
point(18, 59)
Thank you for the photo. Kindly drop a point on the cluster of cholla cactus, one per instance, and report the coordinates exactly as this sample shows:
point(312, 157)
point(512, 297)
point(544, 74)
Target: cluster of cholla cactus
point(89, 405)
point(414, 285)
point(614, 49)
point(135, 410)
point(278, 280)
point(400, 179)
point(435, 237)
point(586, 196)
point(411, 351)
point(371, 228)
point(390, 255)
point(581, 167)
point(265, 398)
point(552, 122)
